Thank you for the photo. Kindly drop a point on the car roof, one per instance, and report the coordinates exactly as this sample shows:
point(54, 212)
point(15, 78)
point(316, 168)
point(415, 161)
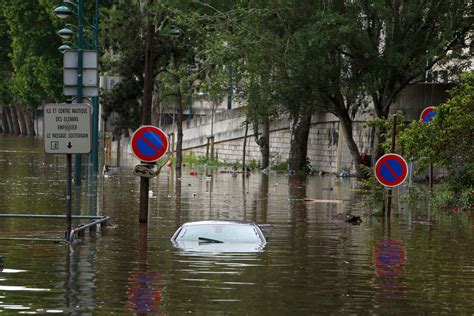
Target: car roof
point(219, 222)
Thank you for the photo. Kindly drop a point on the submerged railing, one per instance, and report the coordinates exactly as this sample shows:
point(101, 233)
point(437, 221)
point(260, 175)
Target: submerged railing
point(69, 234)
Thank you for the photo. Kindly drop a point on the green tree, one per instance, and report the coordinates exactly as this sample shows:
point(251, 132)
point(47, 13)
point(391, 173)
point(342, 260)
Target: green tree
point(447, 140)
point(254, 71)
point(123, 55)
point(35, 60)
point(169, 32)
point(6, 72)
point(293, 64)
point(5, 63)
point(30, 63)
point(396, 41)
point(272, 69)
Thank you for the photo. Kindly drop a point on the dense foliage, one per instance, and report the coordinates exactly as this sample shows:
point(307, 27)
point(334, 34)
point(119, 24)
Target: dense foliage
point(448, 140)
point(289, 57)
point(32, 58)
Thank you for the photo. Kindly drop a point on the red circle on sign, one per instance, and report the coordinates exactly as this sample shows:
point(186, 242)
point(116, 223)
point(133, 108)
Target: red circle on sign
point(391, 170)
point(426, 115)
point(149, 143)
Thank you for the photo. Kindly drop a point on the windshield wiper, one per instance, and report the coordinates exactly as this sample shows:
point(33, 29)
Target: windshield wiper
point(209, 240)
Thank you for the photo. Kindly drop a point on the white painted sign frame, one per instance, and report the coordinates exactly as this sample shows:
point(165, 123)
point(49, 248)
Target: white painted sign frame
point(67, 128)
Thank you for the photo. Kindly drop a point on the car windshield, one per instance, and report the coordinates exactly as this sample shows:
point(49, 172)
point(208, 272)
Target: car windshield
point(219, 233)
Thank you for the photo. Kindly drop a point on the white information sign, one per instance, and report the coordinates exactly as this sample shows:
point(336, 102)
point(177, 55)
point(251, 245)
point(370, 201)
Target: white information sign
point(67, 128)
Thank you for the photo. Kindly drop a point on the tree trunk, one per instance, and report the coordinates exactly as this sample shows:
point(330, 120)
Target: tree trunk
point(30, 126)
point(346, 125)
point(212, 147)
point(244, 150)
point(265, 147)
point(263, 142)
point(119, 148)
point(16, 124)
point(12, 121)
point(377, 150)
point(21, 119)
point(6, 127)
point(299, 130)
point(179, 126)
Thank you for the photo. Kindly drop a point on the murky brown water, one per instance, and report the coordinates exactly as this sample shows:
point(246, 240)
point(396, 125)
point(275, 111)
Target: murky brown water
point(311, 264)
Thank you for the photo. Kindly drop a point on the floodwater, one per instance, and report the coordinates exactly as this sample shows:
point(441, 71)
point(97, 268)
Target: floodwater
point(422, 263)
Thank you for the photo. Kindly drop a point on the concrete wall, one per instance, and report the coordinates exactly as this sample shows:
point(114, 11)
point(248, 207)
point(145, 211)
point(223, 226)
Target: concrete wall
point(417, 97)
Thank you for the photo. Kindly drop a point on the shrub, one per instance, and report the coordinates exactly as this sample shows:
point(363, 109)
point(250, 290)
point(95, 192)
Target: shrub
point(448, 142)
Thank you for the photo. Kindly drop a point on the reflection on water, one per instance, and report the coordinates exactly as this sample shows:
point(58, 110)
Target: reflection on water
point(312, 262)
point(144, 292)
point(389, 266)
point(20, 288)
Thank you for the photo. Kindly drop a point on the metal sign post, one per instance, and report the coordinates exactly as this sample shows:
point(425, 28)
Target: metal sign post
point(68, 196)
point(80, 77)
point(149, 144)
point(391, 170)
point(427, 116)
point(67, 130)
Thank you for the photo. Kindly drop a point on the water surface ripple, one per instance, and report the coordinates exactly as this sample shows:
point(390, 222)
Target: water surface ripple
point(313, 263)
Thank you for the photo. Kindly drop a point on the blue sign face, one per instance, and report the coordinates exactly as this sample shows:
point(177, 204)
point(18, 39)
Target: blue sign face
point(391, 170)
point(149, 143)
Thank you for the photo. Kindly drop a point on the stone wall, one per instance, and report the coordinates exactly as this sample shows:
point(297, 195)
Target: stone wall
point(327, 149)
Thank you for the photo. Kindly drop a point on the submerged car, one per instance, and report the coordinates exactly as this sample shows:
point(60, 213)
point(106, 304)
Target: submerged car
point(219, 236)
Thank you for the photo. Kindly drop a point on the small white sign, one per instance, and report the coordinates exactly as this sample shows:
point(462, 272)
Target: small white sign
point(90, 80)
point(89, 77)
point(108, 82)
point(86, 91)
point(67, 128)
point(89, 59)
point(145, 170)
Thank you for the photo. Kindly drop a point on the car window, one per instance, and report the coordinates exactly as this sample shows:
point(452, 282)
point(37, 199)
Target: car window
point(223, 233)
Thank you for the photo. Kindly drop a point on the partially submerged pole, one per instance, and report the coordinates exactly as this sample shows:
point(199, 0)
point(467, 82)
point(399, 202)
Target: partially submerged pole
point(389, 193)
point(146, 112)
point(68, 197)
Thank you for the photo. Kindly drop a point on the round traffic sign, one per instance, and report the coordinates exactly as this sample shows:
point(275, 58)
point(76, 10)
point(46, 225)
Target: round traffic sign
point(391, 170)
point(149, 143)
point(428, 114)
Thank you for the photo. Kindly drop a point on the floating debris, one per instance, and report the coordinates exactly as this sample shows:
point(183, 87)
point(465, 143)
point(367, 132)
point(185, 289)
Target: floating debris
point(310, 200)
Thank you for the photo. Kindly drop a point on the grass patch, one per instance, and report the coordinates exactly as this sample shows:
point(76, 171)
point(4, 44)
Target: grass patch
point(280, 166)
point(194, 160)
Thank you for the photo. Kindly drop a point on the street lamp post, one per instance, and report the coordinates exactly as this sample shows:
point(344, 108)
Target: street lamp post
point(63, 12)
point(94, 157)
point(80, 69)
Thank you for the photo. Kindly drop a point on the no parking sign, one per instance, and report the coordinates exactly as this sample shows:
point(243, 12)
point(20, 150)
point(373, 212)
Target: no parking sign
point(391, 170)
point(149, 143)
point(428, 114)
